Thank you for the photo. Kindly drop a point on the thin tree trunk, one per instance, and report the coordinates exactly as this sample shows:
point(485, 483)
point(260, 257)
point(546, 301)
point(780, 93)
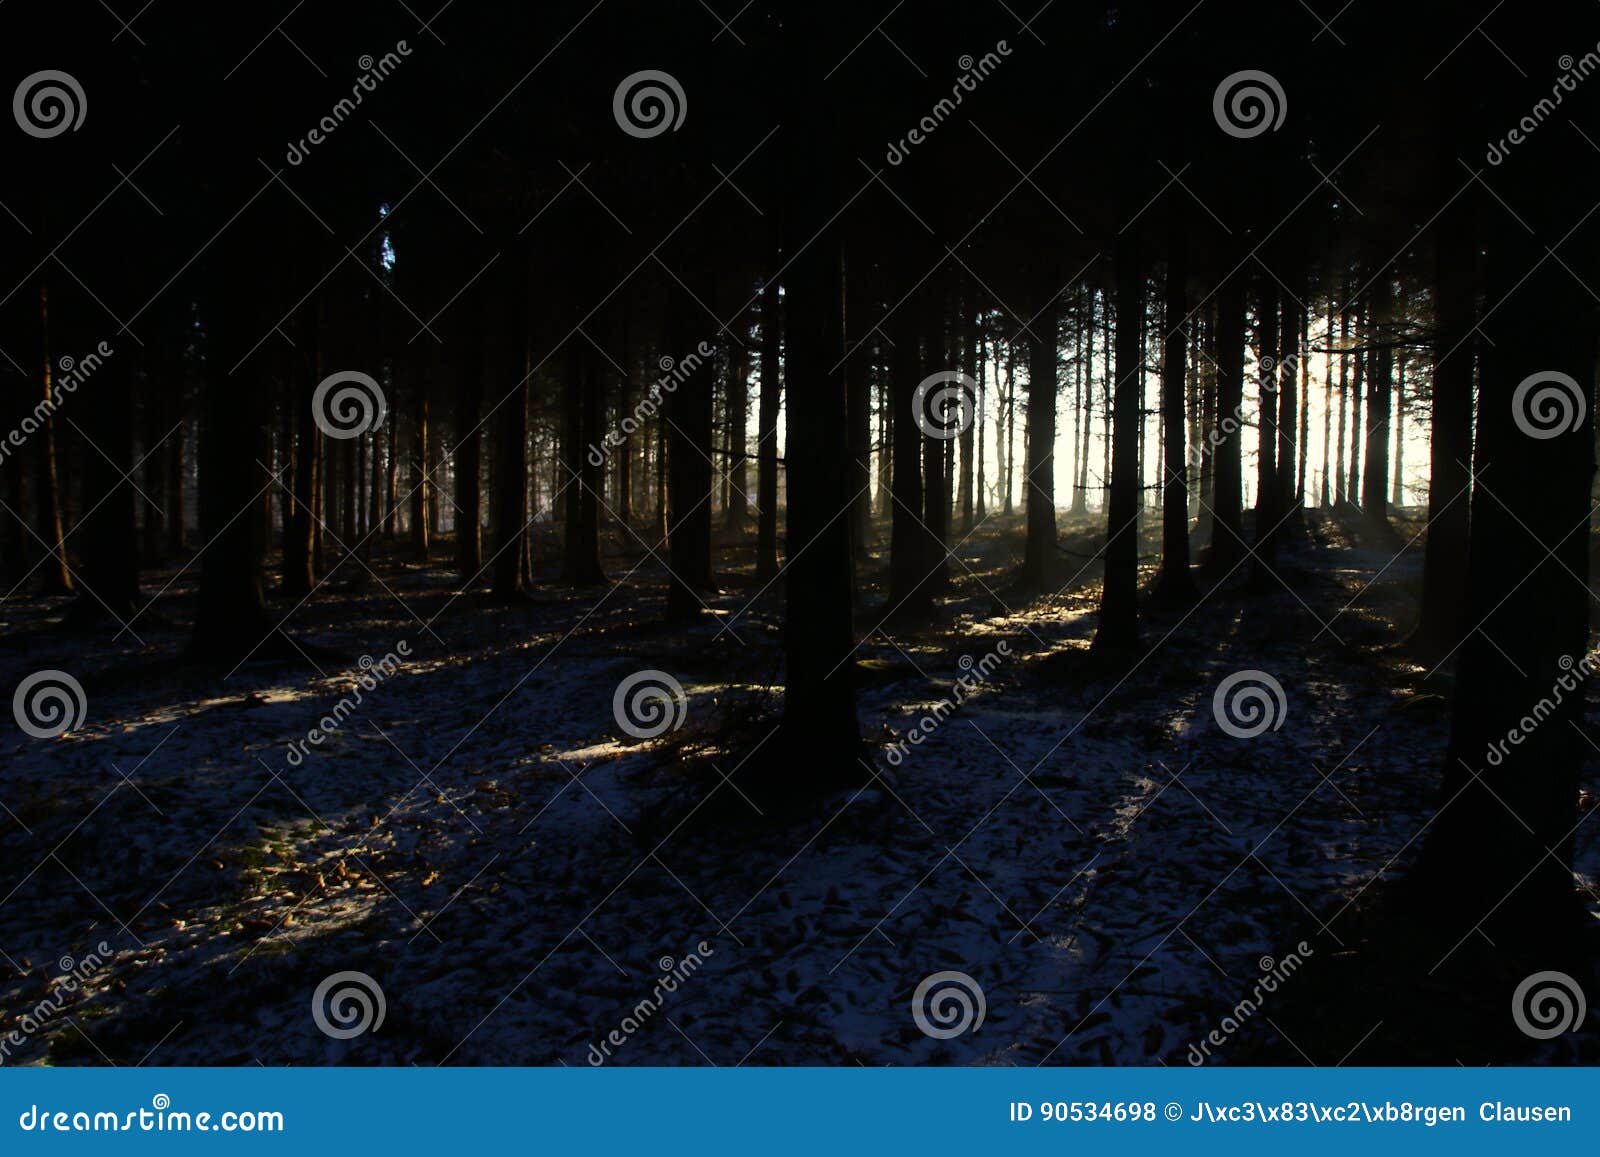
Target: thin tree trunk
point(1038, 562)
point(767, 434)
point(1175, 583)
point(1375, 486)
point(1119, 606)
point(1227, 533)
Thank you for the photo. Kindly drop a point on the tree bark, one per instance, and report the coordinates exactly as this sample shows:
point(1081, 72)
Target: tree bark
point(767, 434)
point(1175, 583)
point(1119, 600)
point(1038, 562)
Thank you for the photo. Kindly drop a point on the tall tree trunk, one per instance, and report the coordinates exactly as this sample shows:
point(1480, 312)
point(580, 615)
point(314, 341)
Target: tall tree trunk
point(1500, 852)
point(1175, 583)
point(469, 447)
point(1398, 497)
point(305, 457)
point(1326, 497)
point(935, 476)
point(108, 537)
point(509, 485)
point(422, 485)
point(231, 621)
point(1289, 316)
point(819, 717)
point(1304, 317)
point(1445, 552)
point(689, 470)
point(910, 596)
point(1011, 425)
point(767, 434)
point(969, 366)
point(858, 404)
point(1119, 597)
point(582, 411)
point(982, 420)
point(737, 510)
point(1375, 486)
point(1267, 370)
point(1227, 530)
point(56, 574)
point(1039, 480)
point(1358, 379)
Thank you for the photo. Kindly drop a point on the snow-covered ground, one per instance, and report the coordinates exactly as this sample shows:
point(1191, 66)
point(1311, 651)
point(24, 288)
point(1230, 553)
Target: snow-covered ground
point(1111, 868)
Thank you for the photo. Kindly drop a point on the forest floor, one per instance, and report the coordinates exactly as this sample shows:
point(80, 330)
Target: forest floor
point(1086, 843)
